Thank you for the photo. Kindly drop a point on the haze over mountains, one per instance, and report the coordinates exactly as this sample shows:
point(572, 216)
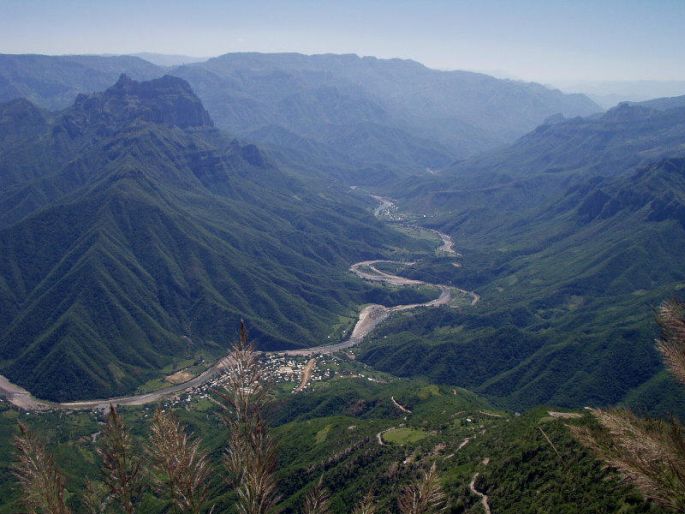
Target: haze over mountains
point(343, 112)
point(572, 235)
point(134, 232)
point(523, 240)
point(552, 203)
point(609, 93)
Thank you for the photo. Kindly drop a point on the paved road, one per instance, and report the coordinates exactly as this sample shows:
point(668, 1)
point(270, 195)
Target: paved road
point(21, 398)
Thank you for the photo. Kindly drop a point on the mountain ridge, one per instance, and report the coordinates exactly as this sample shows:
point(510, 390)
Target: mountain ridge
point(571, 252)
point(141, 240)
point(371, 113)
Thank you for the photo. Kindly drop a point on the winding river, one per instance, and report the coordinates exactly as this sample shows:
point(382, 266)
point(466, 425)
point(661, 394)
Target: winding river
point(369, 318)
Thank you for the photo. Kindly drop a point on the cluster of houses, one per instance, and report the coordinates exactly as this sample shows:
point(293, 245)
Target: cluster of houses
point(280, 369)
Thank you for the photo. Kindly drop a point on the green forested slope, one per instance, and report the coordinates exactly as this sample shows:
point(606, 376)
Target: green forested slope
point(135, 233)
point(572, 236)
point(330, 432)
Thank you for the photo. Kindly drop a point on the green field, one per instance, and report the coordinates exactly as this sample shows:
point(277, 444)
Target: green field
point(403, 435)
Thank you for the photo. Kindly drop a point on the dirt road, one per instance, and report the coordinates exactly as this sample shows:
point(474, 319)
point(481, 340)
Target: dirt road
point(306, 375)
point(483, 497)
point(373, 315)
point(400, 406)
point(368, 271)
point(369, 318)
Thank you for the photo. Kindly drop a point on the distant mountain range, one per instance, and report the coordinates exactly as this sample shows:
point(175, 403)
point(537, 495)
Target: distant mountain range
point(54, 82)
point(134, 235)
point(663, 104)
point(168, 59)
point(609, 93)
point(382, 116)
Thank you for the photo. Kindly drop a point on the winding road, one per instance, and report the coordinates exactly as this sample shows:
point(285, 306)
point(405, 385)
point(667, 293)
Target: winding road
point(369, 318)
point(483, 497)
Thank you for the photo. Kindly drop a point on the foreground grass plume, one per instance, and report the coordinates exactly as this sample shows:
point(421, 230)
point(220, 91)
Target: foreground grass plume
point(367, 505)
point(671, 344)
point(95, 498)
point(648, 453)
point(424, 496)
point(121, 465)
point(317, 500)
point(251, 457)
point(42, 483)
point(180, 466)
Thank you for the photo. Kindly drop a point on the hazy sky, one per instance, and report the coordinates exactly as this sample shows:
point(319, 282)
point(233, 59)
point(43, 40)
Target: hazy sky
point(543, 40)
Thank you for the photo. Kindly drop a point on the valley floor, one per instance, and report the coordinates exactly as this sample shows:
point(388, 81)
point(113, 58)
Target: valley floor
point(369, 318)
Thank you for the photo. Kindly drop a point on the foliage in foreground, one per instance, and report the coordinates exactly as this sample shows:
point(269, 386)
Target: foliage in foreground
point(648, 453)
point(41, 481)
point(179, 471)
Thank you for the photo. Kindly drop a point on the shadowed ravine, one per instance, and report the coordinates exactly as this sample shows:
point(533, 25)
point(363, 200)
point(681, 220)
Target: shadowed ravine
point(369, 318)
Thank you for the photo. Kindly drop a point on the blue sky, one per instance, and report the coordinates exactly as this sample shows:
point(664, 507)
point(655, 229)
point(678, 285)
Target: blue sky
point(543, 40)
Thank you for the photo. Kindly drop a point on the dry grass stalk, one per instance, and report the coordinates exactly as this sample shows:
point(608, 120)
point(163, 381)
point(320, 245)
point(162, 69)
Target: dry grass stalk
point(671, 344)
point(245, 392)
point(317, 500)
point(648, 453)
point(180, 466)
point(544, 434)
point(42, 483)
point(251, 458)
point(424, 496)
point(95, 498)
point(120, 466)
point(367, 505)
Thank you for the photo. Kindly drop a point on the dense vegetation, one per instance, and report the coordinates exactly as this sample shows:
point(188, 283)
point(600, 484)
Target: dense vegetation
point(329, 433)
point(570, 250)
point(136, 235)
